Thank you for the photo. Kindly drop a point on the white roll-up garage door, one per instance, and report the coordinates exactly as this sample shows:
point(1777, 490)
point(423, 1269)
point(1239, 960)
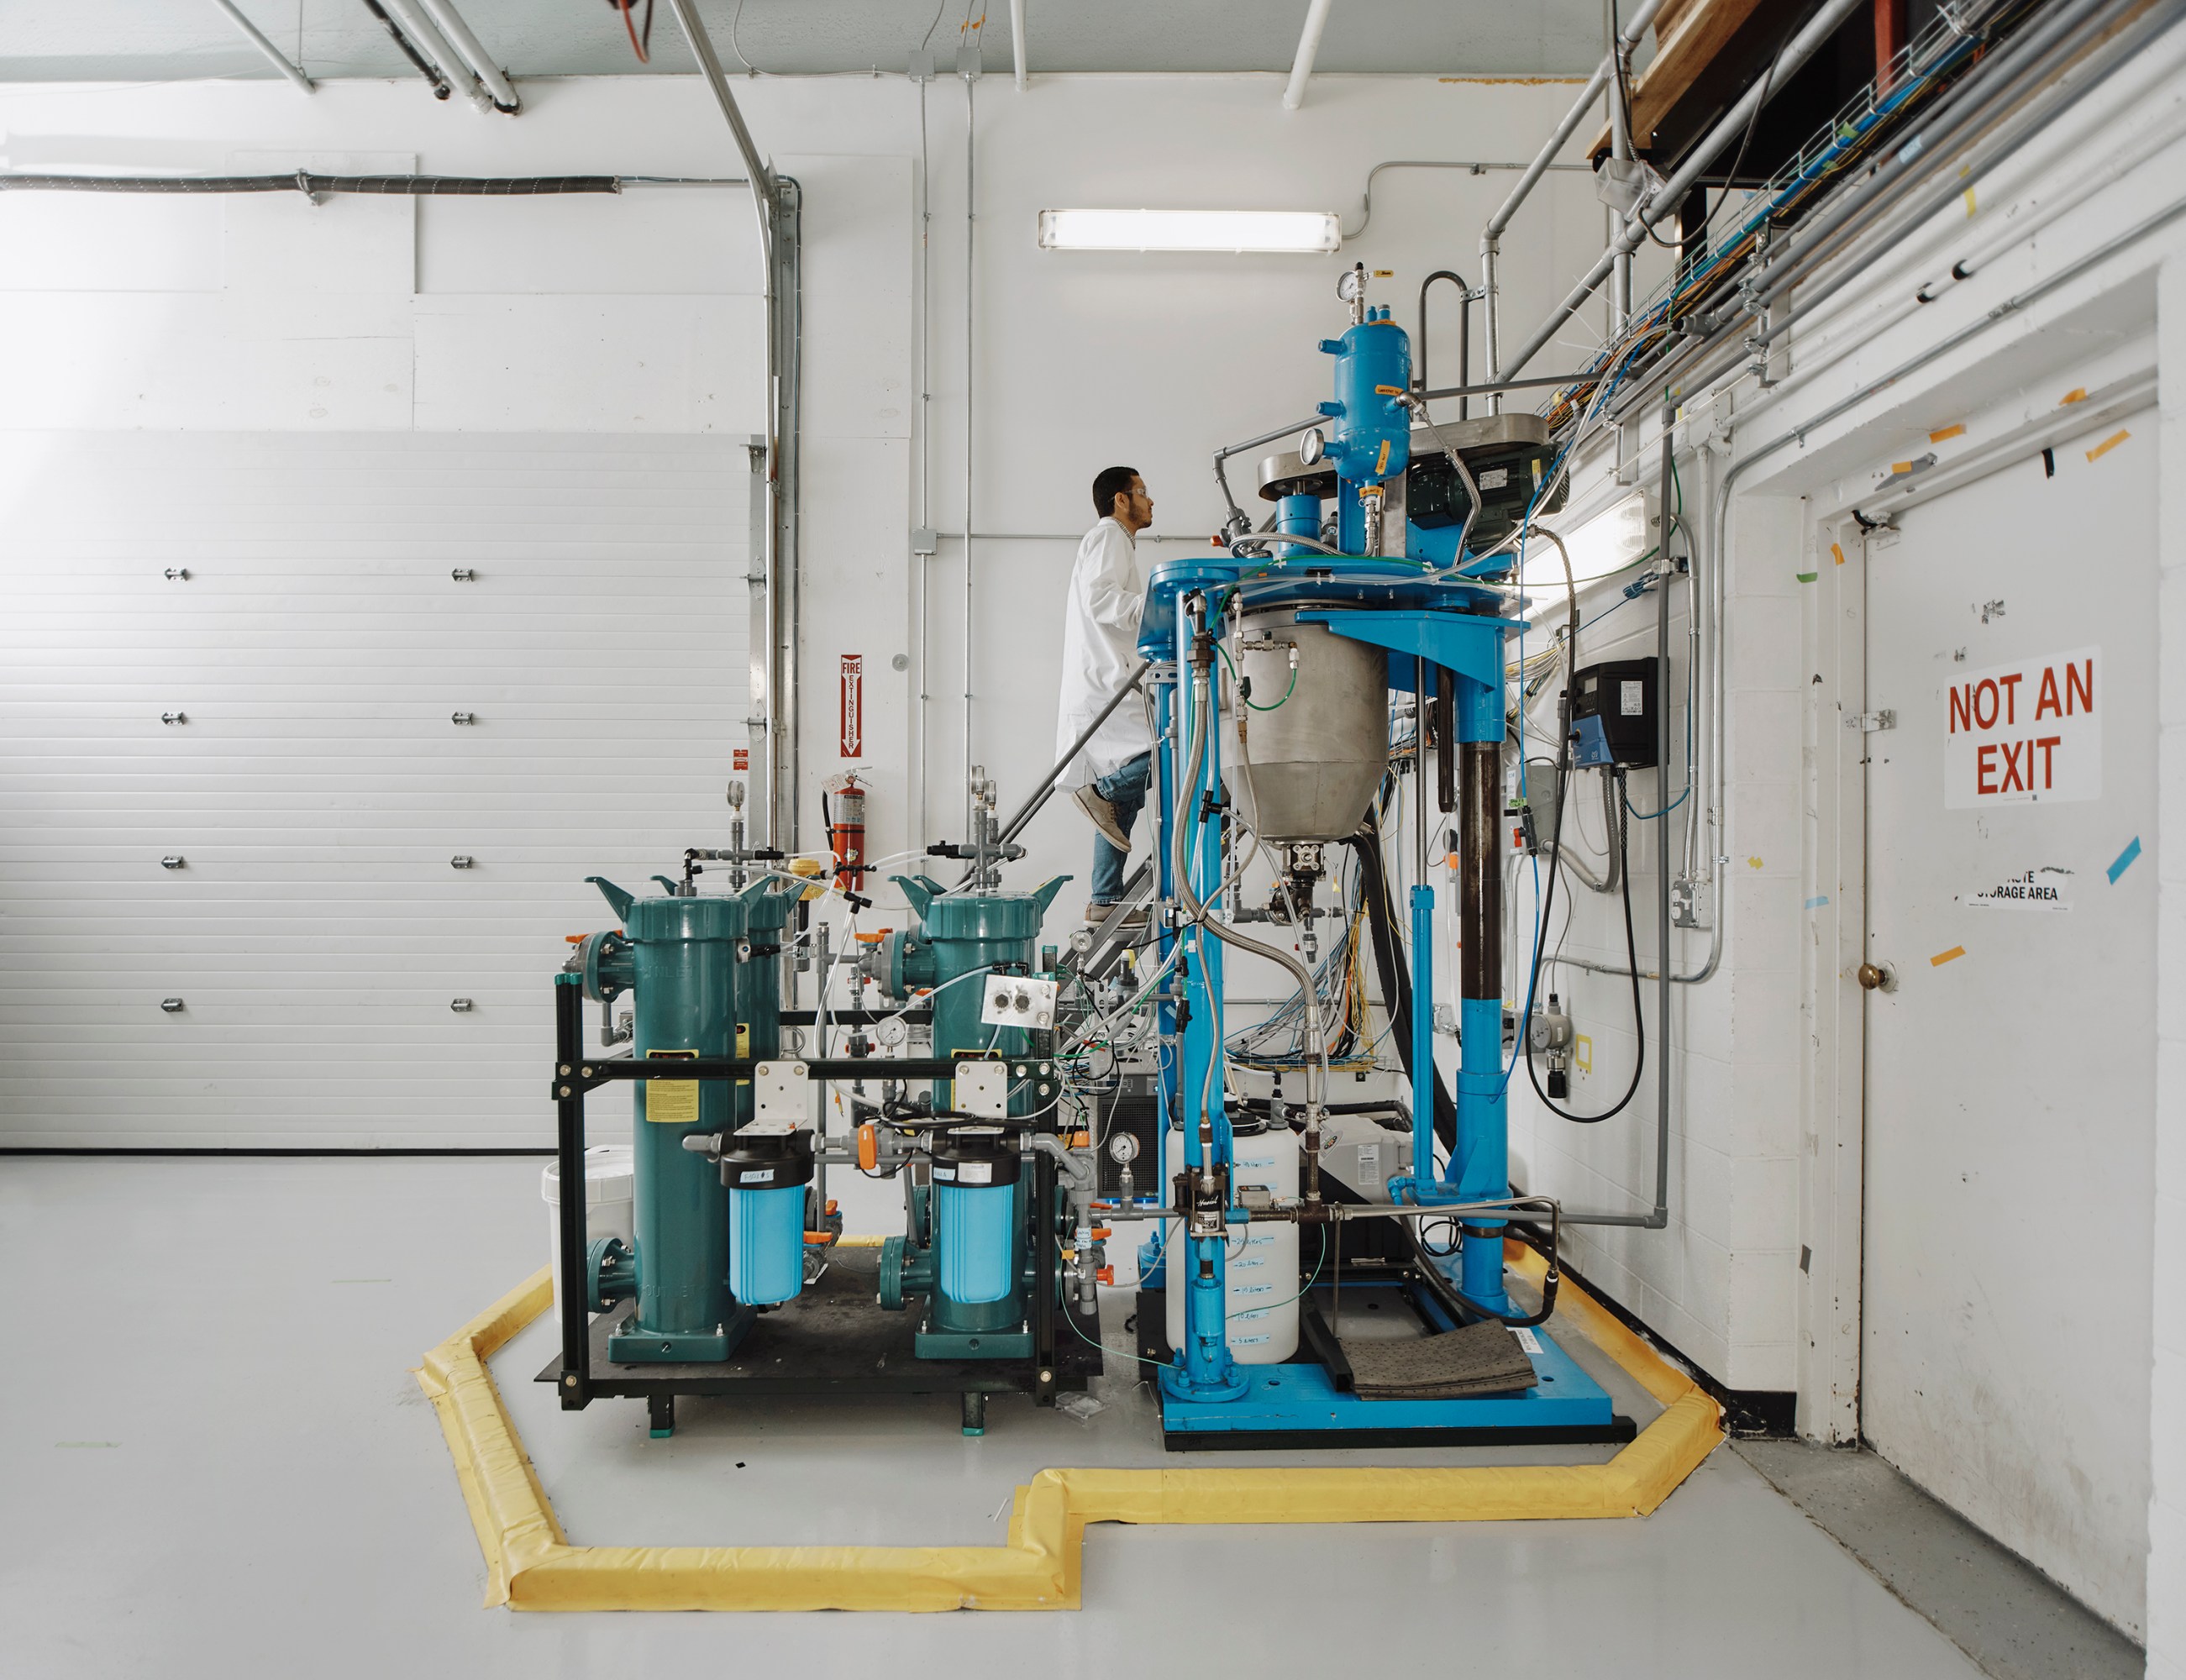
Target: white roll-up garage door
point(343, 980)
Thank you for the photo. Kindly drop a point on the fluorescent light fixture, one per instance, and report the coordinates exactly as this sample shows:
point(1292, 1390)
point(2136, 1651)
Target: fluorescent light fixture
point(1315, 231)
point(1604, 544)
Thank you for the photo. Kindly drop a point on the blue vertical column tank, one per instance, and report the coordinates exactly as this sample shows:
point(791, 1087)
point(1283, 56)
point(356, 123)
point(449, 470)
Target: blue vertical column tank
point(1370, 445)
point(968, 1248)
point(707, 979)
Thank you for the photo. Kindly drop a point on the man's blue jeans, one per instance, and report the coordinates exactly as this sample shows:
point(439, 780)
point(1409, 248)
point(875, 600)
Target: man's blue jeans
point(1125, 788)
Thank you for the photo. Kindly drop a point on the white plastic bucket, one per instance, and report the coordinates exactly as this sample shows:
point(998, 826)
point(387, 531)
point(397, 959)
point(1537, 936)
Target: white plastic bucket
point(1260, 1271)
point(608, 1182)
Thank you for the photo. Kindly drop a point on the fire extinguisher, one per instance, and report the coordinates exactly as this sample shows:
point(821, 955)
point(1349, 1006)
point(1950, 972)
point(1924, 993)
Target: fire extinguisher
point(846, 830)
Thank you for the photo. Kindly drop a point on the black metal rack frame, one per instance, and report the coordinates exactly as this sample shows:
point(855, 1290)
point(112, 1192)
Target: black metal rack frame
point(1063, 1356)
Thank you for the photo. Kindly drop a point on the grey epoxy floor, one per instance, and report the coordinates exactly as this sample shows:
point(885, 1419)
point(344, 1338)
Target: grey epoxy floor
point(215, 1462)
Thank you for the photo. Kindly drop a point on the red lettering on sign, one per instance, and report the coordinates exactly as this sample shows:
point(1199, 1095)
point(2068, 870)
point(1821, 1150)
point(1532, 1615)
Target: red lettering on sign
point(2045, 743)
point(1986, 692)
point(740, 759)
point(2084, 687)
point(1987, 763)
point(2010, 685)
point(854, 704)
point(2011, 777)
point(1961, 711)
point(2046, 706)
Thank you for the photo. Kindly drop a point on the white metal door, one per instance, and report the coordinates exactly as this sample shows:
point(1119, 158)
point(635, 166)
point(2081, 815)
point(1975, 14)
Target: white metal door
point(2010, 1072)
point(581, 600)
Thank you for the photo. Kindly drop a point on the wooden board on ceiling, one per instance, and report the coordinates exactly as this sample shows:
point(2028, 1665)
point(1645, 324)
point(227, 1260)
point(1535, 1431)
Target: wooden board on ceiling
point(1689, 34)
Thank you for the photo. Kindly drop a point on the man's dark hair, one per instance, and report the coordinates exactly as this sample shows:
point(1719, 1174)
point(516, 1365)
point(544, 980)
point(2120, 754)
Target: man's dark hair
point(1108, 483)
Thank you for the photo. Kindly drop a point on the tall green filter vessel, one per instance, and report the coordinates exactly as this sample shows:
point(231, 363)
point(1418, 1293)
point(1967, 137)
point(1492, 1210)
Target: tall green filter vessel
point(707, 975)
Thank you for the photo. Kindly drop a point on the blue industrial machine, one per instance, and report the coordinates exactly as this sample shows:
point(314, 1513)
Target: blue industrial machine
point(1357, 636)
point(1326, 619)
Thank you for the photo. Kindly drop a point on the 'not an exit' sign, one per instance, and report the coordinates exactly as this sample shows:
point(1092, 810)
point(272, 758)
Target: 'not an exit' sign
point(2025, 733)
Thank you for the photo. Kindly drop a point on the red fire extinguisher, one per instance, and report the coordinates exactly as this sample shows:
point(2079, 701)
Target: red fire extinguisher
point(846, 830)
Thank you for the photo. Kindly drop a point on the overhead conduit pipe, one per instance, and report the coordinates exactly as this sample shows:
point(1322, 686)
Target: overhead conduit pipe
point(1491, 236)
point(1666, 195)
point(1828, 256)
point(499, 92)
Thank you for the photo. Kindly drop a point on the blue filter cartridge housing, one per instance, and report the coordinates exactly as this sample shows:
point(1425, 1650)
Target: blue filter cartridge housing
point(766, 1174)
point(766, 1244)
point(975, 1207)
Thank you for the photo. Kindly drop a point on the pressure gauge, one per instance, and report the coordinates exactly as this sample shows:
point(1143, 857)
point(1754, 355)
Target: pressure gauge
point(1312, 445)
point(1353, 286)
point(892, 1031)
point(1122, 1149)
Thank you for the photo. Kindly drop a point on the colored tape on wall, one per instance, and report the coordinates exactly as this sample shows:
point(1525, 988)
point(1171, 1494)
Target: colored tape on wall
point(531, 1564)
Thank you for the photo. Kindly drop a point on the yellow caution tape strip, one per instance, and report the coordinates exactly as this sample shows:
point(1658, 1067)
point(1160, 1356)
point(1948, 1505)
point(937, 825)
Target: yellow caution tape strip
point(532, 1566)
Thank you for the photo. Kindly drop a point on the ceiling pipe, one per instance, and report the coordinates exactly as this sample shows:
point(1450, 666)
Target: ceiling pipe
point(1018, 40)
point(1309, 48)
point(274, 54)
point(1667, 195)
point(760, 172)
point(423, 65)
point(491, 76)
point(433, 45)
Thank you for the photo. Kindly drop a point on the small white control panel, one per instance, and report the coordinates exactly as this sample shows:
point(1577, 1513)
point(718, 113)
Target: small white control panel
point(1019, 1000)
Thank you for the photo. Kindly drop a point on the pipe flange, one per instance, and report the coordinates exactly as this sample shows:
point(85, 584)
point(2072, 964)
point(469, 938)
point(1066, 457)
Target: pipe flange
point(610, 1274)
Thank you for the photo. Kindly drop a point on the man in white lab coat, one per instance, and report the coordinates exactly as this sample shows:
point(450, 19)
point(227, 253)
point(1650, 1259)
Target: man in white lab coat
point(1100, 648)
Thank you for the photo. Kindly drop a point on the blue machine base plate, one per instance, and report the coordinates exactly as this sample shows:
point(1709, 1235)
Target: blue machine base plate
point(1299, 1405)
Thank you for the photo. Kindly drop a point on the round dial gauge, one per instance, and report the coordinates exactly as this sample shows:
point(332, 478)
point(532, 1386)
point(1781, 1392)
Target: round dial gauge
point(1122, 1149)
point(1352, 285)
point(892, 1031)
point(1312, 445)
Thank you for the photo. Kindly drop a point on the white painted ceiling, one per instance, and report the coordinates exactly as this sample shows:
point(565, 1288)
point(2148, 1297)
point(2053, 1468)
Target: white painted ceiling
point(160, 39)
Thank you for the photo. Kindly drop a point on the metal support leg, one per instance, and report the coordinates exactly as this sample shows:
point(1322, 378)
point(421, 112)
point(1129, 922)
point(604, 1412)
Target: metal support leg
point(975, 1413)
point(576, 1387)
point(1206, 1370)
point(1480, 1165)
point(660, 1415)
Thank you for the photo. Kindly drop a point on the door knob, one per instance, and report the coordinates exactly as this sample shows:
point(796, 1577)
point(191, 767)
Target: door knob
point(1877, 976)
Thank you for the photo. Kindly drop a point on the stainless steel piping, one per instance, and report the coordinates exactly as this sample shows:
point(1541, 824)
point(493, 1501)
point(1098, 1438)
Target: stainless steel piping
point(1499, 222)
point(921, 749)
point(971, 236)
point(1668, 194)
point(274, 55)
point(1491, 236)
point(1620, 151)
point(1711, 357)
point(1886, 191)
point(761, 172)
point(498, 89)
point(781, 348)
point(1471, 166)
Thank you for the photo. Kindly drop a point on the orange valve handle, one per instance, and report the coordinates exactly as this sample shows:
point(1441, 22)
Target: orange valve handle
point(869, 1146)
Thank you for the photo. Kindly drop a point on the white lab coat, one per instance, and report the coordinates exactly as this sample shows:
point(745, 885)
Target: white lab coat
point(1100, 648)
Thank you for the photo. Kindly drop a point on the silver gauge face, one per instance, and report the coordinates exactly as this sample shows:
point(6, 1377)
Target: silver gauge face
point(1122, 1149)
point(893, 1032)
point(1352, 285)
point(1312, 445)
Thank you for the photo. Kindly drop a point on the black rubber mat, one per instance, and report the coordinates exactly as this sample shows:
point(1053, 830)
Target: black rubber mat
point(1482, 1359)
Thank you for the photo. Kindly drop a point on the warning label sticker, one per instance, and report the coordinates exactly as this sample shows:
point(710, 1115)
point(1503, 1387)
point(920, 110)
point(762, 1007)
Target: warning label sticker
point(2046, 888)
point(671, 1102)
point(2025, 733)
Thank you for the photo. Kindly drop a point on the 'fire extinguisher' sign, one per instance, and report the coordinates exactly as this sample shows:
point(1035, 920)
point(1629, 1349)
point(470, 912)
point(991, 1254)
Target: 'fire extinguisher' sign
point(2026, 733)
point(854, 705)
